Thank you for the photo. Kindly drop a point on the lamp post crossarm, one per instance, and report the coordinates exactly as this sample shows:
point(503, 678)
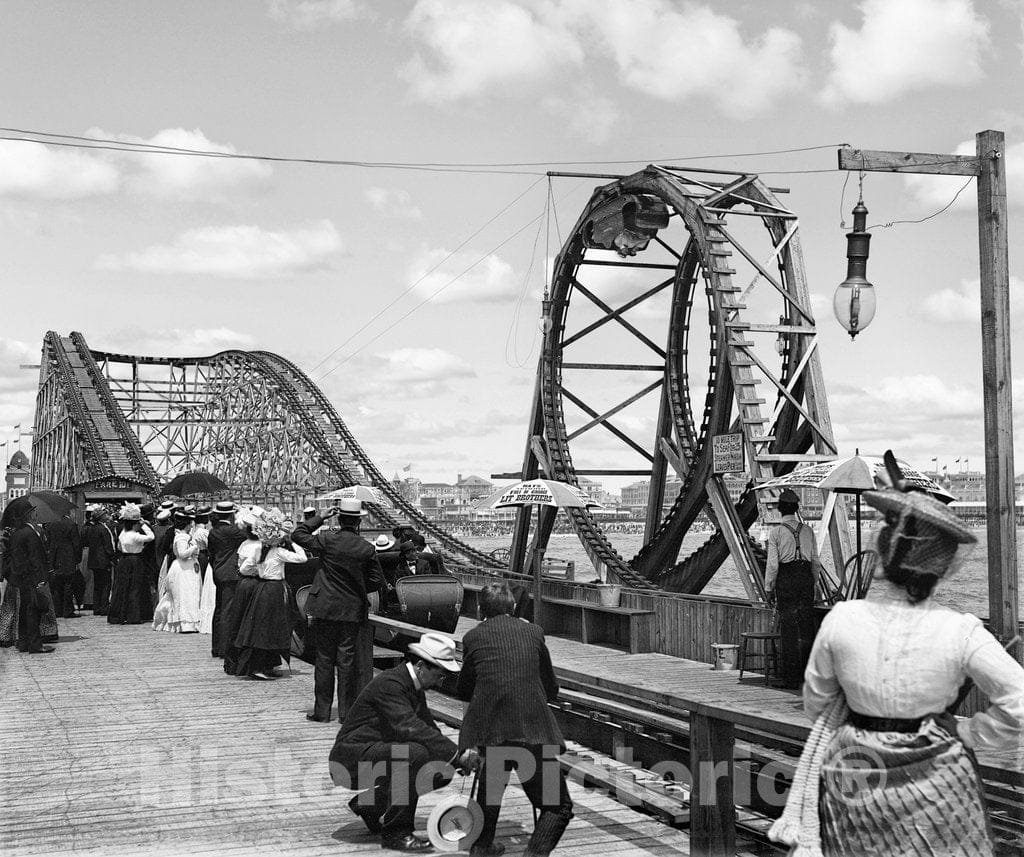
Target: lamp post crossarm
point(871, 160)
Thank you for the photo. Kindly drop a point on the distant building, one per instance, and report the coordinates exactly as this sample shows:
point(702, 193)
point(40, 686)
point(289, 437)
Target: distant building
point(16, 483)
point(472, 488)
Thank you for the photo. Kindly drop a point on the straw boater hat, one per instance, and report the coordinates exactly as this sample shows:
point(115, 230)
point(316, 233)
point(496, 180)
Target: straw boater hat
point(438, 650)
point(351, 508)
point(383, 543)
point(308, 512)
point(923, 530)
point(225, 507)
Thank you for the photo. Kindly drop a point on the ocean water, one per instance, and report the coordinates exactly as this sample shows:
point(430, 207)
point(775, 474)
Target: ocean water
point(966, 589)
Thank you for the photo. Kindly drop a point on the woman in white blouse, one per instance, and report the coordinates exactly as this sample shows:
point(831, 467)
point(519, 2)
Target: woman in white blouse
point(899, 775)
point(129, 592)
point(264, 635)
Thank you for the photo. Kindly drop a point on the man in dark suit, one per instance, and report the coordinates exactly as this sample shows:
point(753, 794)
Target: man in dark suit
point(508, 680)
point(29, 569)
point(222, 547)
point(65, 546)
point(338, 605)
point(99, 539)
point(389, 727)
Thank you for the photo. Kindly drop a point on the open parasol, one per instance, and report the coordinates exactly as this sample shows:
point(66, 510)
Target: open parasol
point(366, 493)
point(194, 482)
point(856, 474)
point(49, 506)
point(542, 492)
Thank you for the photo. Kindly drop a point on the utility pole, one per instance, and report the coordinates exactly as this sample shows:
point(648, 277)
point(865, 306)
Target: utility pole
point(989, 167)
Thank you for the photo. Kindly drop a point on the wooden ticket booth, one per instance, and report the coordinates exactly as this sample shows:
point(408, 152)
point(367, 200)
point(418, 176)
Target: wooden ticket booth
point(110, 490)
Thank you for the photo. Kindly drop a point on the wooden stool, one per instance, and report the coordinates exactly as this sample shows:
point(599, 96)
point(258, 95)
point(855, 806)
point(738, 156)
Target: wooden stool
point(765, 652)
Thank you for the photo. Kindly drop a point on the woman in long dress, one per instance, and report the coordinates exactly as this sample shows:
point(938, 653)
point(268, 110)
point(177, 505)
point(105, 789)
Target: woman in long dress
point(178, 610)
point(129, 591)
point(249, 553)
point(887, 768)
point(264, 636)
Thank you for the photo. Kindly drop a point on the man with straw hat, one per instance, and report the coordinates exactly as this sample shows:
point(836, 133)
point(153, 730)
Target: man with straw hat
point(338, 605)
point(389, 728)
point(222, 546)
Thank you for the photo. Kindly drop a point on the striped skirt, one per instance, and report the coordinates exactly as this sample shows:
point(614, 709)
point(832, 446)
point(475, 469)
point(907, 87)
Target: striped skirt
point(894, 794)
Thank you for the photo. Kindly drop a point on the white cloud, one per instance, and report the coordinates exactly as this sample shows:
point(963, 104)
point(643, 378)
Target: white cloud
point(422, 367)
point(903, 47)
point(35, 171)
point(469, 46)
point(962, 304)
point(307, 14)
point(676, 53)
point(392, 202)
point(463, 277)
point(17, 387)
point(934, 192)
point(186, 176)
point(191, 341)
point(237, 252)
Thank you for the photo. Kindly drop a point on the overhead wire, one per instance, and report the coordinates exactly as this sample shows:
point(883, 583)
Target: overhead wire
point(80, 141)
point(427, 273)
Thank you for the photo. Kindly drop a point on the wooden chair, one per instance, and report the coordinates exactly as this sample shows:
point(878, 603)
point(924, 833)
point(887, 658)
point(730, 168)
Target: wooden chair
point(765, 654)
point(858, 573)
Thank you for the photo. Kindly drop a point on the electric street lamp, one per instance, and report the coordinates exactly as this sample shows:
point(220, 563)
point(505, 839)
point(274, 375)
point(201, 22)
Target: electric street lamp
point(854, 301)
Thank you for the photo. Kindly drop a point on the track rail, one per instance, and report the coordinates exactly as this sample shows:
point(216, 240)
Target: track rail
point(349, 458)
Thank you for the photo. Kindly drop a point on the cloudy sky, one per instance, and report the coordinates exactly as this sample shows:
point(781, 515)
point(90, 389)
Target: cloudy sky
point(412, 295)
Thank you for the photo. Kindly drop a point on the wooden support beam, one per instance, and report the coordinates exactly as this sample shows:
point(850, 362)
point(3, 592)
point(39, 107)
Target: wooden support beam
point(989, 165)
point(870, 160)
point(712, 804)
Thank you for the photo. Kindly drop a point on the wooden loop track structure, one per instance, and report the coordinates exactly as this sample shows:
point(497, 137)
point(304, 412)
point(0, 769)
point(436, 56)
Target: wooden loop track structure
point(250, 417)
point(657, 260)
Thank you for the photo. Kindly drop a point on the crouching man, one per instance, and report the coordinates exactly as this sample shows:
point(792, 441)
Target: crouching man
point(390, 745)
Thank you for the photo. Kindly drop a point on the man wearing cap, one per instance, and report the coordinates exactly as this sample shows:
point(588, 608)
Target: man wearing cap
point(99, 539)
point(338, 605)
point(389, 728)
point(222, 546)
point(790, 578)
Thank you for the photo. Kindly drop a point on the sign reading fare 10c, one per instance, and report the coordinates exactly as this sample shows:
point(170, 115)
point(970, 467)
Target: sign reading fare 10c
point(727, 453)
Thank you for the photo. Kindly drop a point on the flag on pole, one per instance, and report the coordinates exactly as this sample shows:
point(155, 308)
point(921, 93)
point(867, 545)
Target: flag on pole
point(407, 468)
point(18, 427)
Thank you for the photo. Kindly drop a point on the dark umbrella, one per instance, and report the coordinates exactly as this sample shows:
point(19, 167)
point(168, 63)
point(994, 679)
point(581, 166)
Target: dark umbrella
point(49, 505)
point(196, 482)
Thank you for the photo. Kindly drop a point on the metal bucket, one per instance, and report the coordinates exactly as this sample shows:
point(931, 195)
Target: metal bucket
point(610, 594)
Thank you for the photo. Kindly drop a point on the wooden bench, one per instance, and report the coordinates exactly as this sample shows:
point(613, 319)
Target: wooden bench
point(630, 628)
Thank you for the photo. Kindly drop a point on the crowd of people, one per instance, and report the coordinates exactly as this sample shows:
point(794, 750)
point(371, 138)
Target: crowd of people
point(887, 767)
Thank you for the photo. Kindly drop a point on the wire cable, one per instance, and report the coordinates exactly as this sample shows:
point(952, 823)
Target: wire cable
point(425, 275)
point(944, 208)
point(155, 148)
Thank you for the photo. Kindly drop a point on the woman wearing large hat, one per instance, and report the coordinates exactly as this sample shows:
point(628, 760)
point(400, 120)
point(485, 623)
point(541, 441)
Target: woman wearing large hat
point(886, 768)
point(130, 602)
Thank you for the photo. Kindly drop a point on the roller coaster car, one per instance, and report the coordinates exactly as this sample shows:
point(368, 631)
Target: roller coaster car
point(626, 223)
point(430, 600)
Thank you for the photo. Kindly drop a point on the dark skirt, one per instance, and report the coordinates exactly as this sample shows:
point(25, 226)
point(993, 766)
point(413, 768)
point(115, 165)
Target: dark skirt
point(244, 593)
point(130, 598)
point(264, 633)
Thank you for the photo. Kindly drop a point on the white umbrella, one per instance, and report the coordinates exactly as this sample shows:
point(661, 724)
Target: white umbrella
point(854, 475)
point(541, 492)
point(366, 493)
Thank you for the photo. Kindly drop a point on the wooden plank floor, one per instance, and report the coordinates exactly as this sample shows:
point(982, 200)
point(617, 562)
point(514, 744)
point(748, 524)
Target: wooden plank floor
point(128, 741)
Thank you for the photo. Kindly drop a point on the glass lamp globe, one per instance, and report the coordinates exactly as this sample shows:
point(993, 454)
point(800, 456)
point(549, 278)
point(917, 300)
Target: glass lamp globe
point(854, 304)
